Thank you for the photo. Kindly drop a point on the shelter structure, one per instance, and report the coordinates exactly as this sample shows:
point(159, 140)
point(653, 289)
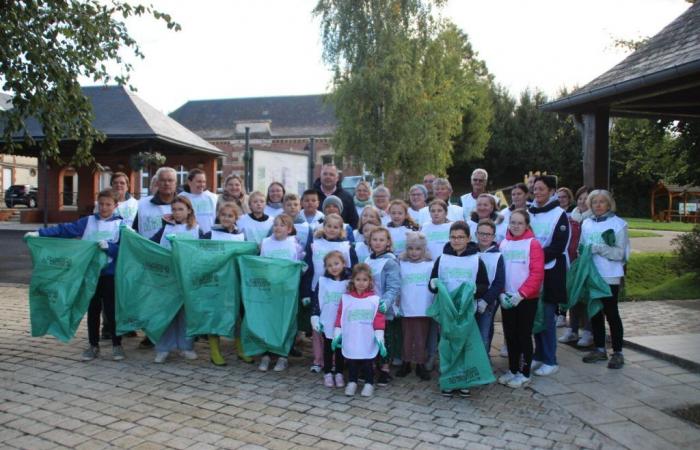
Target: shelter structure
point(661, 79)
point(681, 203)
point(131, 127)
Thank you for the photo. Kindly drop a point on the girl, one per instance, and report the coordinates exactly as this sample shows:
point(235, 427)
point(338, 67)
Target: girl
point(524, 267)
point(459, 263)
point(437, 232)
point(417, 199)
point(362, 245)
point(519, 195)
point(486, 209)
point(387, 285)
point(234, 192)
point(183, 224)
point(359, 326)
point(102, 228)
point(381, 197)
point(609, 259)
point(273, 201)
point(443, 190)
point(363, 196)
point(416, 267)
point(203, 201)
point(324, 310)
point(551, 227)
point(401, 223)
point(331, 236)
point(370, 213)
point(334, 205)
point(282, 245)
point(256, 225)
point(492, 259)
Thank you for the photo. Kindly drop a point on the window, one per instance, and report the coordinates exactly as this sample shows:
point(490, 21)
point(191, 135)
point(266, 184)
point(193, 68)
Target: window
point(181, 175)
point(220, 175)
point(145, 183)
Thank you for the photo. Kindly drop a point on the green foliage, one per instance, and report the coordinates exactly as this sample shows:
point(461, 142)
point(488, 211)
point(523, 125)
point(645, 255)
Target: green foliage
point(687, 248)
point(654, 276)
point(45, 47)
point(648, 224)
point(407, 87)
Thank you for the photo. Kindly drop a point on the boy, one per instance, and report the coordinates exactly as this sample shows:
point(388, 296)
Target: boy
point(310, 203)
point(292, 208)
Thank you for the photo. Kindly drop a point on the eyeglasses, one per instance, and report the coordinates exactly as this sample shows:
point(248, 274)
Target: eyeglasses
point(481, 233)
point(458, 238)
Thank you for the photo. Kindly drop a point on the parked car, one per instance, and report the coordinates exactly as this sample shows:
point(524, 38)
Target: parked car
point(350, 182)
point(21, 194)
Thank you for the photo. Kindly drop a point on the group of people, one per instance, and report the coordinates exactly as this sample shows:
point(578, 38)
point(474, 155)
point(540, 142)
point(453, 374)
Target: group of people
point(373, 263)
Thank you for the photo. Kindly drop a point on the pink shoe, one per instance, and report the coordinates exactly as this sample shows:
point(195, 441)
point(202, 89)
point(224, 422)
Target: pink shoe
point(328, 380)
point(339, 382)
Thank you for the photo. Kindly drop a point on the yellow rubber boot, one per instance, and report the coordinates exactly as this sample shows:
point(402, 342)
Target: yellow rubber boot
point(215, 352)
point(239, 351)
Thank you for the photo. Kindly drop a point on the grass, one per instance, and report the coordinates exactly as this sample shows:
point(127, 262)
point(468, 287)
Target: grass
point(652, 276)
point(648, 224)
point(642, 233)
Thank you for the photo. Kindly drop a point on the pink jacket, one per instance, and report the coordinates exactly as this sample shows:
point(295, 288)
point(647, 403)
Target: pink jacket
point(531, 287)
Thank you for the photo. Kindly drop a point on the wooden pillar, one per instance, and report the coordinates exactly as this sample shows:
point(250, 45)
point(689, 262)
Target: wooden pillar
point(596, 150)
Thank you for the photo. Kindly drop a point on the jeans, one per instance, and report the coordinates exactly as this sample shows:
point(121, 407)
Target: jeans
point(175, 336)
point(546, 341)
point(485, 323)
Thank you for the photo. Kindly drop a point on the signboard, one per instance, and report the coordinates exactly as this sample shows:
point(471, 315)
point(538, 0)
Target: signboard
point(290, 169)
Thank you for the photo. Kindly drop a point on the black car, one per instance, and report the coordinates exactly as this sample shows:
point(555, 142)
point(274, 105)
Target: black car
point(21, 194)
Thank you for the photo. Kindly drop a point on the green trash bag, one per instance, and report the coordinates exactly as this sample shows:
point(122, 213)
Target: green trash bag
point(463, 359)
point(270, 294)
point(210, 283)
point(148, 293)
point(64, 278)
point(584, 283)
point(538, 325)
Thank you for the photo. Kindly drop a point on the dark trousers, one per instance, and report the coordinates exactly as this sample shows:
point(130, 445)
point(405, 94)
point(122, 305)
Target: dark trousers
point(517, 326)
point(354, 367)
point(328, 354)
point(103, 298)
point(612, 314)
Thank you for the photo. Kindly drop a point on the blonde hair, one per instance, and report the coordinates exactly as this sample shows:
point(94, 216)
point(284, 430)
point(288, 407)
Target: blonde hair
point(286, 221)
point(253, 195)
point(602, 193)
point(369, 209)
point(416, 239)
point(191, 219)
point(358, 269)
point(229, 205)
point(321, 232)
point(384, 230)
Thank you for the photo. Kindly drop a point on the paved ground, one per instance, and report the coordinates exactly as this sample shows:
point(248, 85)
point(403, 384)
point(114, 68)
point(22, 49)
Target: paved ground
point(48, 399)
point(654, 244)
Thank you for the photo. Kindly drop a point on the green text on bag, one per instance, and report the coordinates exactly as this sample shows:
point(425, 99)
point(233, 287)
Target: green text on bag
point(584, 283)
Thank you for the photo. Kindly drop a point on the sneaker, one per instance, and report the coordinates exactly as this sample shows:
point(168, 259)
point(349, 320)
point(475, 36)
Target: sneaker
point(264, 365)
point(404, 370)
point(161, 357)
point(595, 356)
point(546, 370)
point(446, 393)
point(383, 378)
point(350, 389)
point(117, 353)
point(315, 369)
point(506, 377)
point(464, 393)
point(145, 343)
point(90, 353)
point(328, 380)
point(339, 381)
point(561, 321)
point(586, 339)
point(534, 365)
point(519, 380)
point(367, 390)
point(281, 364)
point(568, 336)
point(422, 372)
point(616, 361)
point(189, 354)
point(504, 351)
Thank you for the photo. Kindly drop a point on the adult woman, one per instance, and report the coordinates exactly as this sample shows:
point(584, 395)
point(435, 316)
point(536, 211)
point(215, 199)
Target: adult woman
point(203, 201)
point(519, 196)
point(363, 196)
point(273, 201)
point(443, 190)
point(486, 209)
point(609, 257)
point(127, 206)
point(234, 192)
point(381, 197)
point(417, 204)
point(566, 199)
point(551, 228)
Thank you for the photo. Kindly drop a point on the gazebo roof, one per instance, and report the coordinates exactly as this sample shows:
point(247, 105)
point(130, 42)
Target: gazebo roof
point(677, 188)
point(660, 79)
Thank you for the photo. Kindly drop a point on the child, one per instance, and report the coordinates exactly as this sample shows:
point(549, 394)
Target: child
point(362, 245)
point(274, 199)
point(459, 264)
point(257, 225)
point(292, 208)
point(359, 326)
point(437, 232)
point(524, 268)
point(183, 223)
point(401, 223)
point(282, 245)
point(416, 267)
point(492, 259)
point(368, 213)
point(309, 204)
point(333, 205)
point(102, 228)
point(387, 284)
point(324, 310)
point(331, 236)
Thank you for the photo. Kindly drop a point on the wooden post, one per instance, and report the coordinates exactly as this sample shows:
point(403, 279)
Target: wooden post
point(596, 150)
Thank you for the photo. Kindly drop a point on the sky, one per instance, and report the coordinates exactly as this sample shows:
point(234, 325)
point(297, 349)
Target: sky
point(251, 48)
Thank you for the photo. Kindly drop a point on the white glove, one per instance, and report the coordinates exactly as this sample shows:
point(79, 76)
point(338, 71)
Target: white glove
point(104, 245)
point(337, 332)
point(515, 299)
point(481, 306)
point(316, 324)
point(379, 336)
point(433, 284)
point(29, 234)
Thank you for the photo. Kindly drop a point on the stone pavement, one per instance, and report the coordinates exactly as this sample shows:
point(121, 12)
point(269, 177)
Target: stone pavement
point(49, 399)
point(661, 243)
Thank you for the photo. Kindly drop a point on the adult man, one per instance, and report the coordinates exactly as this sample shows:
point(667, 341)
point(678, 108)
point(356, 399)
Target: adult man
point(328, 184)
point(428, 180)
point(479, 179)
point(151, 210)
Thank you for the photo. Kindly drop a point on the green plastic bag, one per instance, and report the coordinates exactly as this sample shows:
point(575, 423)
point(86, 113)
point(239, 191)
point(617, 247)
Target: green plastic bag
point(538, 325)
point(148, 293)
point(270, 294)
point(463, 359)
point(584, 283)
point(210, 283)
point(64, 278)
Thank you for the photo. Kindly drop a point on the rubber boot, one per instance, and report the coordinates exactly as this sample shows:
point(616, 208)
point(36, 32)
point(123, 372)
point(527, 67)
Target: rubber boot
point(215, 352)
point(238, 344)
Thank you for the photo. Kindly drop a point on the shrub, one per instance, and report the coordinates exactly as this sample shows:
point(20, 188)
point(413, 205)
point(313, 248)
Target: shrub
point(687, 248)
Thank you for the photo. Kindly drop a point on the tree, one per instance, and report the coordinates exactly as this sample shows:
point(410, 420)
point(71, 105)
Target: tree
point(45, 47)
point(403, 81)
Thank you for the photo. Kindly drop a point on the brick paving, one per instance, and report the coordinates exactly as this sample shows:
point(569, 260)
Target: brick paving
point(658, 318)
point(49, 399)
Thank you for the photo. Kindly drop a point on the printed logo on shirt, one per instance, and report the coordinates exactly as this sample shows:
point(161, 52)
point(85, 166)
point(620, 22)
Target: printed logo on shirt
point(437, 236)
point(515, 256)
point(99, 236)
point(151, 222)
point(456, 272)
point(415, 279)
point(202, 206)
point(278, 254)
point(360, 315)
point(332, 298)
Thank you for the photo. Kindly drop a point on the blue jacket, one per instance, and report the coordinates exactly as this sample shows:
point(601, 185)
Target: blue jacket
point(390, 281)
point(499, 280)
point(72, 230)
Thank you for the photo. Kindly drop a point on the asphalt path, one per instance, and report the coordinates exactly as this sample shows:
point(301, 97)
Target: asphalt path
point(15, 261)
